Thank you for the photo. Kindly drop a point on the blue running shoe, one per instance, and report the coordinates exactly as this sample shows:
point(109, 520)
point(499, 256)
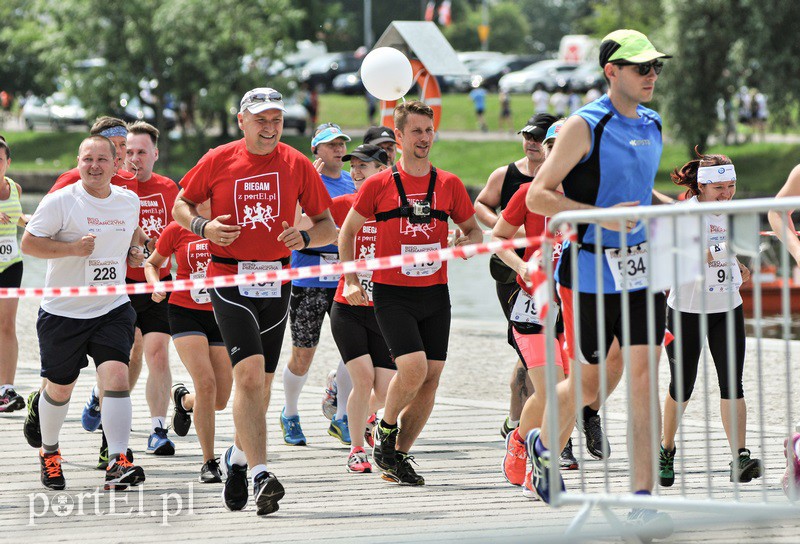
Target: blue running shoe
point(90, 419)
point(292, 432)
point(339, 429)
point(235, 490)
point(159, 444)
point(540, 468)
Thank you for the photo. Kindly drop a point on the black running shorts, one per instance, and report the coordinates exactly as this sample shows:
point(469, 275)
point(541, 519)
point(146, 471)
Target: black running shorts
point(11, 277)
point(251, 326)
point(65, 342)
point(414, 319)
point(590, 341)
point(356, 333)
point(151, 316)
point(504, 293)
point(193, 322)
point(307, 310)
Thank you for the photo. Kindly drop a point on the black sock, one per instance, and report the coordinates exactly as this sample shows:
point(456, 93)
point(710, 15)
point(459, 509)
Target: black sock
point(743, 450)
point(588, 412)
point(400, 455)
point(388, 426)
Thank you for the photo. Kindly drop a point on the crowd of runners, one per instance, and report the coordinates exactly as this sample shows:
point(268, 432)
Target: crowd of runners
point(257, 204)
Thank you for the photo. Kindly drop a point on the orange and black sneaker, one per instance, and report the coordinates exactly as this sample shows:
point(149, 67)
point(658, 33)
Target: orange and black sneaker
point(121, 473)
point(52, 475)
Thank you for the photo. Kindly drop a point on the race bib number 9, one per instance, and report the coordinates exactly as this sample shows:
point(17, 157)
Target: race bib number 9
point(631, 264)
point(200, 296)
point(524, 310)
point(329, 258)
point(101, 271)
point(270, 289)
point(420, 269)
point(8, 248)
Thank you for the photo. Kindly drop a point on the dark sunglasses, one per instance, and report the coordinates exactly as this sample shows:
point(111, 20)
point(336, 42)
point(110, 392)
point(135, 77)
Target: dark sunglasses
point(536, 137)
point(644, 67)
point(273, 96)
point(323, 126)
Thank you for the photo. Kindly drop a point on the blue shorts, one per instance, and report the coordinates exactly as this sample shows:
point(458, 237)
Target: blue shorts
point(65, 342)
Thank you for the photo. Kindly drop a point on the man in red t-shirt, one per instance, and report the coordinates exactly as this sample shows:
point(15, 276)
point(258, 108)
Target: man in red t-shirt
point(255, 185)
point(157, 195)
point(411, 204)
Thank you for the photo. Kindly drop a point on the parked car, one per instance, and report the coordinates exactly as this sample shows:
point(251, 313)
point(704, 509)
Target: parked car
point(57, 111)
point(583, 78)
point(488, 72)
point(541, 75)
point(469, 59)
point(296, 116)
point(319, 72)
point(349, 83)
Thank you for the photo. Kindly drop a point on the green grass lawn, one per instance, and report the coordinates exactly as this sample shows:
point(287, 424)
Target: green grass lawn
point(761, 168)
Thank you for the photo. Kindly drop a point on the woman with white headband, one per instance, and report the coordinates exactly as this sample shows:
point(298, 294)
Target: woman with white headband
point(709, 178)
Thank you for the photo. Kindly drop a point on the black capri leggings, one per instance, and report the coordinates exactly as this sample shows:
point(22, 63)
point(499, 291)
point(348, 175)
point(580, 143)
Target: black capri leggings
point(692, 345)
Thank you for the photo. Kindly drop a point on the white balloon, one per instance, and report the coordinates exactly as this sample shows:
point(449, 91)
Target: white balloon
point(386, 73)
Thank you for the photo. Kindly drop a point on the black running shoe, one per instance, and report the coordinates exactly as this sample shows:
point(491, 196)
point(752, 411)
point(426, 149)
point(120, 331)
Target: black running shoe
point(122, 473)
point(383, 452)
point(11, 401)
point(181, 420)
point(567, 460)
point(596, 441)
point(32, 430)
point(666, 466)
point(235, 491)
point(402, 472)
point(211, 473)
point(267, 491)
point(745, 467)
point(52, 475)
point(506, 428)
point(102, 460)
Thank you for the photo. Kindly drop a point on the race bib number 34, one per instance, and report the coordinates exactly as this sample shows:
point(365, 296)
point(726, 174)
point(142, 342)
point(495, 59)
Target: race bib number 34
point(420, 269)
point(631, 264)
point(270, 289)
point(101, 271)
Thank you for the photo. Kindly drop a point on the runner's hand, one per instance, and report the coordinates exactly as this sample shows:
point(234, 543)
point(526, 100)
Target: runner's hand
point(158, 296)
point(319, 164)
point(150, 247)
point(291, 237)
point(4, 218)
point(745, 272)
point(219, 233)
point(85, 246)
point(615, 225)
point(135, 257)
point(355, 294)
point(460, 240)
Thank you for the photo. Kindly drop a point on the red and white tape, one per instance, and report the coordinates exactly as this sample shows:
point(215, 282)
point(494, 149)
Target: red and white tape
point(394, 261)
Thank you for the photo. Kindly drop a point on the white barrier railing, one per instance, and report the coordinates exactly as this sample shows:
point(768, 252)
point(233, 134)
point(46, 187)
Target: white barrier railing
point(697, 487)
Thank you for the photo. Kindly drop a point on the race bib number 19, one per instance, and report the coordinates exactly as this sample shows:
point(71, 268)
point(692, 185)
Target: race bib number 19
point(524, 310)
point(270, 289)
point(632, 265)
point(420, 269)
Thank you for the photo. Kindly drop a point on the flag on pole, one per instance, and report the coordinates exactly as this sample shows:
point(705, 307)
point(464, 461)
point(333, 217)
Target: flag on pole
point(429, 9)
point(445, 17)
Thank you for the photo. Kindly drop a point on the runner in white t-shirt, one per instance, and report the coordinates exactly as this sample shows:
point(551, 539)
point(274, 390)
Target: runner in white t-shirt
point(709, 178)
point(88, 232)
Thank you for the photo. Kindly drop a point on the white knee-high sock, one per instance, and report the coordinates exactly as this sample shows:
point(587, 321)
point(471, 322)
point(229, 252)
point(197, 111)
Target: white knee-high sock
point(343, 387)
point(116, 414)
point(292, 386)
point(51, 418)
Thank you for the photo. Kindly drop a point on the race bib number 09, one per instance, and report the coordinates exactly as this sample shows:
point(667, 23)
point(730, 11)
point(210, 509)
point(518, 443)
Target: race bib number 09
point(269, 289)
point(8, 248)
point(420, 269)
point(631, 265)
point(101, 271)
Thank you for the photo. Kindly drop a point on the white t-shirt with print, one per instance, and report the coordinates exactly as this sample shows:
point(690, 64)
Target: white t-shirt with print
point(69, 214)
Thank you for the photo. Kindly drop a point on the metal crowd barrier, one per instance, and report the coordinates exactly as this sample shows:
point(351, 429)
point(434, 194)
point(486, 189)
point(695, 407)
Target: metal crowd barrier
point(702, 493)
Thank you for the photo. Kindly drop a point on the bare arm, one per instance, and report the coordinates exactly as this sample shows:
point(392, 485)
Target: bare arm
point(321, 233)
point(47, 248)
point(489, 198)
point(215, 230)
point(473, 234)
point(780, 220)
point(152, 266)
point(503, 231)
point(353, 291)
point(661, 198)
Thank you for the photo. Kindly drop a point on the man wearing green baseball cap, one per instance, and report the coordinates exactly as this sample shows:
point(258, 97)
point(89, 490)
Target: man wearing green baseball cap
point(606, 155)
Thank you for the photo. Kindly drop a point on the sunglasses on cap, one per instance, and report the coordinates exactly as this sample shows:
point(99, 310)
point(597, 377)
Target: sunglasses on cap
point(272, 96)
point(323, 126)
point(644, 67)
point(535, 136)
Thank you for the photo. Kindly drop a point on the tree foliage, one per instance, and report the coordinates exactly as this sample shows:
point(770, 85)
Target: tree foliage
point(508, 29)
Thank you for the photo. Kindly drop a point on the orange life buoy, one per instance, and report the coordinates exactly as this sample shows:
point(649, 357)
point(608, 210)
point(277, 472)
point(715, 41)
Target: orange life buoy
point(429, 93)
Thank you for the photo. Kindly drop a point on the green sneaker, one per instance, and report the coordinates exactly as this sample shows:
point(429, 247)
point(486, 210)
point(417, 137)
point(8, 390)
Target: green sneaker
point(666, 470)
point(745, 468)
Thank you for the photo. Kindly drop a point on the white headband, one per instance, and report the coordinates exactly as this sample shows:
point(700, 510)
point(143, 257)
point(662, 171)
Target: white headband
point(716, 174)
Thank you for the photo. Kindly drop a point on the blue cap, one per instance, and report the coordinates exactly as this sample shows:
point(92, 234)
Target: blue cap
point(553, 131)
point(328, 135)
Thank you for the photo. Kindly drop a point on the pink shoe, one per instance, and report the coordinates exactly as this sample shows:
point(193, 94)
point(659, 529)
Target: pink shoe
point(792, 453)
point(358, 462)
point(371, 422)
point(527, 489)
point(515, 461)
